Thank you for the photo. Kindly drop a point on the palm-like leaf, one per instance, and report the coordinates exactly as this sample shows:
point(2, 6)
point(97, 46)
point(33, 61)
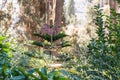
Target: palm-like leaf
point(40, 44)
point(59, 36)
point(65, 44)
point(54, 37)
point(45, 37)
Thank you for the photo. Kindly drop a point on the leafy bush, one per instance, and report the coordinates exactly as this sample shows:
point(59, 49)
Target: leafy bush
point(103, 55)
point(8, 72)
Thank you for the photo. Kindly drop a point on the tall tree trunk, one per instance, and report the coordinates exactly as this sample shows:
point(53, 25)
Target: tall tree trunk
point(58, 12)
point(48, 11)
point(114, 5)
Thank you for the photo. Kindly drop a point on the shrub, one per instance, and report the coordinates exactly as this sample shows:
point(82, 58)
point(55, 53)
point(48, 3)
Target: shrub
point(104, 58)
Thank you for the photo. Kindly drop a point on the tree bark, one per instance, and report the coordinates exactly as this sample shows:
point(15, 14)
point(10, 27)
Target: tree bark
point(113, 5)
point(58, 12)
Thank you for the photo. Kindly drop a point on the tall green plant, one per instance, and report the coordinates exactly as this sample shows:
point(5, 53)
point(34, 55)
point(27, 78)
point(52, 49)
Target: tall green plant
point(50, 35)
point(113, 25)
point(103, 51)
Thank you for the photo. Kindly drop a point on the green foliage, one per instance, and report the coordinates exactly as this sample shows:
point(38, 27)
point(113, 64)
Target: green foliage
point(18, 73)
point(37, 74)
point(48, 37)
point(4, 59)
point(118, 1)
point(50, 40)
point(103, 55)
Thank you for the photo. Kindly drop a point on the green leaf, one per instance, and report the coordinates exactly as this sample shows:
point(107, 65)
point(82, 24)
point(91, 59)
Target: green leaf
point(31, 71)
point(65, 44)
point(31, 75)
point(44, 70)
point(45, 37)
point(54, 37)
point(38, 43)
point(64, 72)
point(18, 78)
point(59, 78)
point(43, 77)
point(23, 72)
point(59, 36)
point(1, 39)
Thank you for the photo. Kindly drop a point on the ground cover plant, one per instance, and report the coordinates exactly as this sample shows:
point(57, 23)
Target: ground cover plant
point(8, 72)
